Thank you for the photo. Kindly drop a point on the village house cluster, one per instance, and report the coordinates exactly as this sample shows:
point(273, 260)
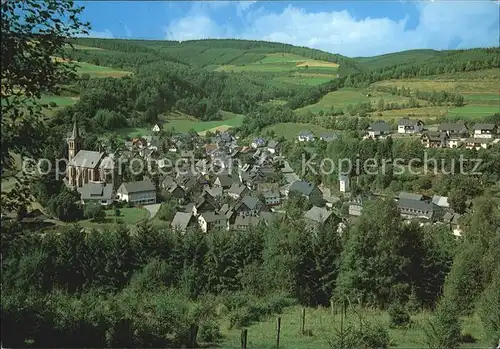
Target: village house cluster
point(221, 184)
point(447, 135)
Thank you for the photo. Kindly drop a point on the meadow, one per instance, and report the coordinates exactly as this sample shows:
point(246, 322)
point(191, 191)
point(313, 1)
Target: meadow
point(322, 324)
point(290, 68)
point(180, 122)
point(290, 130)
point(129, 216)
point(346, 96)
point(97, 71)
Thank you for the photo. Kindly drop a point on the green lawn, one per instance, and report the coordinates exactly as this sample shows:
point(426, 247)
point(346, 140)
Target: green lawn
point(344, 97)
point(184, 125)
point(480, 110)
point(290, 130)
point(97, 71)
point(60, 101)
point(287, 68)
point(482, 97)
point(283, 58)
point(129, 215)
point(323, 324)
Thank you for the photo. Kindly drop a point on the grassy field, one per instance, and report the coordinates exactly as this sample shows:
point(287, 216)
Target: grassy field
point(290, 68)
point(60, 101)
point(481, 110)
point(97, 71)
point(344, 97)
point(129, 215)
point(323, 324)
point(290, 130)
point(481, 82)
point(183, 123)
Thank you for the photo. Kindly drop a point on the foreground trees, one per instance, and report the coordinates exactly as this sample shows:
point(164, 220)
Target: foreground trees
point(100, 279)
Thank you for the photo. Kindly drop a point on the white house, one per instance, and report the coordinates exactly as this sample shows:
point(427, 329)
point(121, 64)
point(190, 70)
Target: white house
point(139, 193)
point(305, 136)
point(379, 129)
point(212, 221)
point(408, 126)
point(344, 183)
point(478, 143)
point(485, 130)
point(101, 192)
point(272, 197)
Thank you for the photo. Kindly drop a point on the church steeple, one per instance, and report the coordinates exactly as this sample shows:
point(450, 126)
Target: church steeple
point(74, 142)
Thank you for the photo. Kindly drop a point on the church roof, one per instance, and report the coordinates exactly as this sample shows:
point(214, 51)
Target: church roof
point(86, 159)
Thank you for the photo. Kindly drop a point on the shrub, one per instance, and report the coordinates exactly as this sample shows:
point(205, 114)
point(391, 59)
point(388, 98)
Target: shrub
point(374, 336)
point(369, 336)
point(209, 332)
point(399, 316)
point(52, 104)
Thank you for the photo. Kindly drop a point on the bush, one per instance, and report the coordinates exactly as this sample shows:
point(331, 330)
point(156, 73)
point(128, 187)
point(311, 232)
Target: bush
point(399, 316)
point(52, 104)
point(374, 336)
point(369, 336)
point(209, 332)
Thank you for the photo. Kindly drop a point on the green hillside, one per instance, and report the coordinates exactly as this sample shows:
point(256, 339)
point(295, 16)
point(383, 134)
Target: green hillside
point(404, 57)
point(205, 78)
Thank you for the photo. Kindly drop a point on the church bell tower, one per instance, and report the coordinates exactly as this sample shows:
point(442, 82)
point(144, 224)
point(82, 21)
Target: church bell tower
point(74, 142)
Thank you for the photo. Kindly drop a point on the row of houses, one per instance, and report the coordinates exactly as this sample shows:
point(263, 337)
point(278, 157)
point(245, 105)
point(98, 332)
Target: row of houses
point(415, 206)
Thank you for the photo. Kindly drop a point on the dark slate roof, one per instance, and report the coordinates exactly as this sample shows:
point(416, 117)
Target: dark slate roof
point(225, 180)
point(416, 205)
point(96, 191)
point(237, 189)
point(181, 220)
point(138, 186)
point(302, 187)
point(250, 201)
point(380, 126)
point(212, 216)
point(489, 127)
point(435, 136)
point(318, 214)
point(410, 196)
point(452, 126)
point(86, 159)
point(213, 192)
point(479, 140)
point(247, 221)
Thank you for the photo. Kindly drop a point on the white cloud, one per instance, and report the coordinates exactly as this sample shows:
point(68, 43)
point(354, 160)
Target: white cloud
point(441, 24)
point(194, 27)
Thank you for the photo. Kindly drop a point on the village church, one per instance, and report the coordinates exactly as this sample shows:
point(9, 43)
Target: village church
point(86, 166)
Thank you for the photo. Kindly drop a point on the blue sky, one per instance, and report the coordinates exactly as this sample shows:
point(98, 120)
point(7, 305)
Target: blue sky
point(354, 28)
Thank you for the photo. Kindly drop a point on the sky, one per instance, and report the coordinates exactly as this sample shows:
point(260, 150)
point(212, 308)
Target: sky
point(352, 28)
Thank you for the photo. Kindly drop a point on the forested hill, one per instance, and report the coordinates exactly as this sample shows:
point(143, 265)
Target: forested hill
point(209, 52)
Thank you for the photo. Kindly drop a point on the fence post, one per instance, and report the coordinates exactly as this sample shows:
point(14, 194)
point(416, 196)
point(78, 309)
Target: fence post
point(193, 332)
point(244, 338)
point(278, 333)
point(331, 306)
point(303, 326)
